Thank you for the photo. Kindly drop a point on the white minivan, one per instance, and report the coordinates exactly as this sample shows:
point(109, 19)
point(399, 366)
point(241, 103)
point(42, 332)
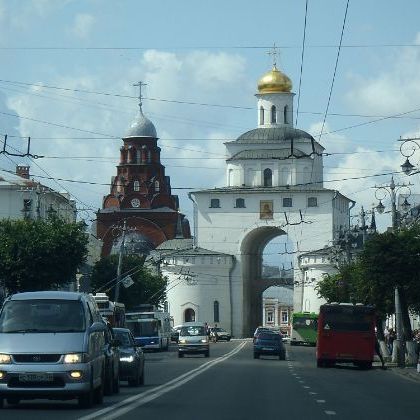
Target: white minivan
point(193, 339)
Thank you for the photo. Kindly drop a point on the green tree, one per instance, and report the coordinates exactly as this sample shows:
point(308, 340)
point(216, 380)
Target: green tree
point(147, 287)
point(40, 254)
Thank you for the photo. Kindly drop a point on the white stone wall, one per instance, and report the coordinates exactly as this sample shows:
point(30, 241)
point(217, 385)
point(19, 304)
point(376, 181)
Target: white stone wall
point(279, 100)
point(196, 282)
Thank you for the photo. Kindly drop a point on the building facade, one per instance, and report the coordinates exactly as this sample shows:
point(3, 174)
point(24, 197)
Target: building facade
point(274, 186)
point(140, 194)
point(22, 197)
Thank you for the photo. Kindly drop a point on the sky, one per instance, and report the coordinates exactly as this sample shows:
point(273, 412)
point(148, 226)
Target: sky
point(53, 52)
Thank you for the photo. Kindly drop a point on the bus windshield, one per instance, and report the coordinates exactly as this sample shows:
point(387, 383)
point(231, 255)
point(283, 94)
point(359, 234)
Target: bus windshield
point(146, 328)
point(347, 319)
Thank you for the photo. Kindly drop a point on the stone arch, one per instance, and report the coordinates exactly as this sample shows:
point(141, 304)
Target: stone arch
point(251, 250)
point(189, 315)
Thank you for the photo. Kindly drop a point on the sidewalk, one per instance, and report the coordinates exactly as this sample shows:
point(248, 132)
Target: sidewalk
point(409, 372)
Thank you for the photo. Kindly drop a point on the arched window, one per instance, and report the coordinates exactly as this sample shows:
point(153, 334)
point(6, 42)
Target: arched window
point(166, 306)
point(189, 315)
point(149, 156)
point(157, 186)
point(240, 203)
point(285, 111)
point(268, 177)
point(138, 156)
point(136, 186)
point(216, 311)
point(273, 115)
point(261, 115)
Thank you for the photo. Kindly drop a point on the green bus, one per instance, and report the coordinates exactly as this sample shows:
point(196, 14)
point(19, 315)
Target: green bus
point(304, 328)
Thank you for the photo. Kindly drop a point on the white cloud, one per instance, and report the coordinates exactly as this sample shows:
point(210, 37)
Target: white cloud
point(396, 89)
point(333, 142)
point(173, 76)
point(82, 25)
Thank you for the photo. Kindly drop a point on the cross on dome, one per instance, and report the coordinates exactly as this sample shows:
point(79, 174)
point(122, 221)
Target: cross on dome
point(140, 84)
point(273, 52)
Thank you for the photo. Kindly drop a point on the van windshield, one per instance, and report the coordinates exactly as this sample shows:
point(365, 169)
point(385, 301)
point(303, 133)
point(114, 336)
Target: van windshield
point(42, 316)
point(192, 331)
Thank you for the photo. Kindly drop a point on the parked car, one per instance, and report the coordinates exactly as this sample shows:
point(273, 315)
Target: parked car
point(131, 358)
point(193, 339)
point(219, 334)
point(51, 347)
point(268, 343)
point(112, 362)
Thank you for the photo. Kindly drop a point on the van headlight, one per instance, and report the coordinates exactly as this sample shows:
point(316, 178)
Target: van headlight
point(129, 359)
point(204, 340)
point(5, 359)
point(182, 341)
point(74, 358)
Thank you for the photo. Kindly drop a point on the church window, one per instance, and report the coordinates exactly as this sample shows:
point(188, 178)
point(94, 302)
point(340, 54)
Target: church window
point(166, 306)
point(261, 115)
point(189, 315)
point(268, 177)
point(157, 186)
point(312, 202)
point(273, 115)
point(149, 156)
point(216, 311)
point(138, 156)
point(287, 202)
point(285, 111)
point(214, 203)
point(136, 186)
point(240, 203)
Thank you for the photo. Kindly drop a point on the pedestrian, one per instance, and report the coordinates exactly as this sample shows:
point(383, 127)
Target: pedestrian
point(378, 352)
point(215, 333)
point(391, 338)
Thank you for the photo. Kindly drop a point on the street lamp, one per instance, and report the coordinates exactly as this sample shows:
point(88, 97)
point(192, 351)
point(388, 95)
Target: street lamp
point(407, 167)
point(391, 189)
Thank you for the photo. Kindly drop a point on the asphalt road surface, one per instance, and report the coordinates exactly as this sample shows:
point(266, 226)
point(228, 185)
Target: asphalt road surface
point(231, 385)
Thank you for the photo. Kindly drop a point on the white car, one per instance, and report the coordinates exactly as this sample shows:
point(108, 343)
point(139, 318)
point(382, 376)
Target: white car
point(193, 339)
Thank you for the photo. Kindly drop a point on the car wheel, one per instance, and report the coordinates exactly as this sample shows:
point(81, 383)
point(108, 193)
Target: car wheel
point(228, 339)
point(256, 356)
point(180, 355)
point(99, 392)
point(207, 353)
point(1, 402)
point(108, 383)
point(320, 363)
point(13, 400)
point(86, 400)
point(116, 385)
point(141, 381)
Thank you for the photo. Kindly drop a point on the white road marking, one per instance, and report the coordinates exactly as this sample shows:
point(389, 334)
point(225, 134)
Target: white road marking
point(320, 401)
point(301, 382)
point(307, 387)
point(313, 393)
point(129, 404)
point(330, 413)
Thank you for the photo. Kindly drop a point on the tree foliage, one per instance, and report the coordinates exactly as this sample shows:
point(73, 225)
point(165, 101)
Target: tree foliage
point(147, 287)
point(40, 254)
point(388, 260)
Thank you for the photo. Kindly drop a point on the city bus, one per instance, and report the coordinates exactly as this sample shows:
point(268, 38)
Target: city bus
point(151, 330)
point(113, 312)
point(304, 328)
point(346, 333)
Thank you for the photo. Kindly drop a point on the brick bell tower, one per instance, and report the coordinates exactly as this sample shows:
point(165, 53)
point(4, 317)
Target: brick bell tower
point(140, 194)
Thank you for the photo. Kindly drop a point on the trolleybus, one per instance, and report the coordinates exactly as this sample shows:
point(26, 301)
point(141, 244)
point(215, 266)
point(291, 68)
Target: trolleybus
point(304, 328)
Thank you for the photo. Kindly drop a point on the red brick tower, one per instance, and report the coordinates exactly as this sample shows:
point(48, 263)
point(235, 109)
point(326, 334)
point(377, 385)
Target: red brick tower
point(141, 194)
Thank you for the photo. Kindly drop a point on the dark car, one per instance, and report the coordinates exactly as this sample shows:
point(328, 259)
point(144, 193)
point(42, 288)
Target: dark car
point(131, 358)
point(260, 330)
point(218, 334)
point(112, 363)
point(174, 335)
point(268, 343)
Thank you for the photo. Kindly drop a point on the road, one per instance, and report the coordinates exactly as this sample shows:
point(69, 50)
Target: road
point(231, 385)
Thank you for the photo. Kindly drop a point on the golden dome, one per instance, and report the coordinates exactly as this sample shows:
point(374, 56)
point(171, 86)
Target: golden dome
point(274, 82)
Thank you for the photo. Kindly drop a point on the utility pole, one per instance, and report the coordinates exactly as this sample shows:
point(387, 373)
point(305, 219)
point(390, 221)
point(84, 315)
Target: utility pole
point(399, 348)
point(120, 259)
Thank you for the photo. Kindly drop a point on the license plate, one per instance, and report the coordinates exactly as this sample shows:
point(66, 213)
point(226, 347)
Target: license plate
point(36, 377)
point(268, 348)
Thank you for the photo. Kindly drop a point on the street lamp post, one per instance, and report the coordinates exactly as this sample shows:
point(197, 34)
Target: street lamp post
point(398, 353)
point(120, 259)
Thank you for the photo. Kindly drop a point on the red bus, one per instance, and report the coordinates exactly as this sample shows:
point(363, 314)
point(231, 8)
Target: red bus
point(346, 333)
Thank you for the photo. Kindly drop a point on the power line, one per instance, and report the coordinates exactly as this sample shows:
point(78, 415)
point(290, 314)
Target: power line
point(301, 62)
point(335, 69)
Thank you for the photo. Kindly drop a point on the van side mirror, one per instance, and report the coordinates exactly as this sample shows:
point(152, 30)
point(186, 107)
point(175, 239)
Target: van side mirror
point(97, 327)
